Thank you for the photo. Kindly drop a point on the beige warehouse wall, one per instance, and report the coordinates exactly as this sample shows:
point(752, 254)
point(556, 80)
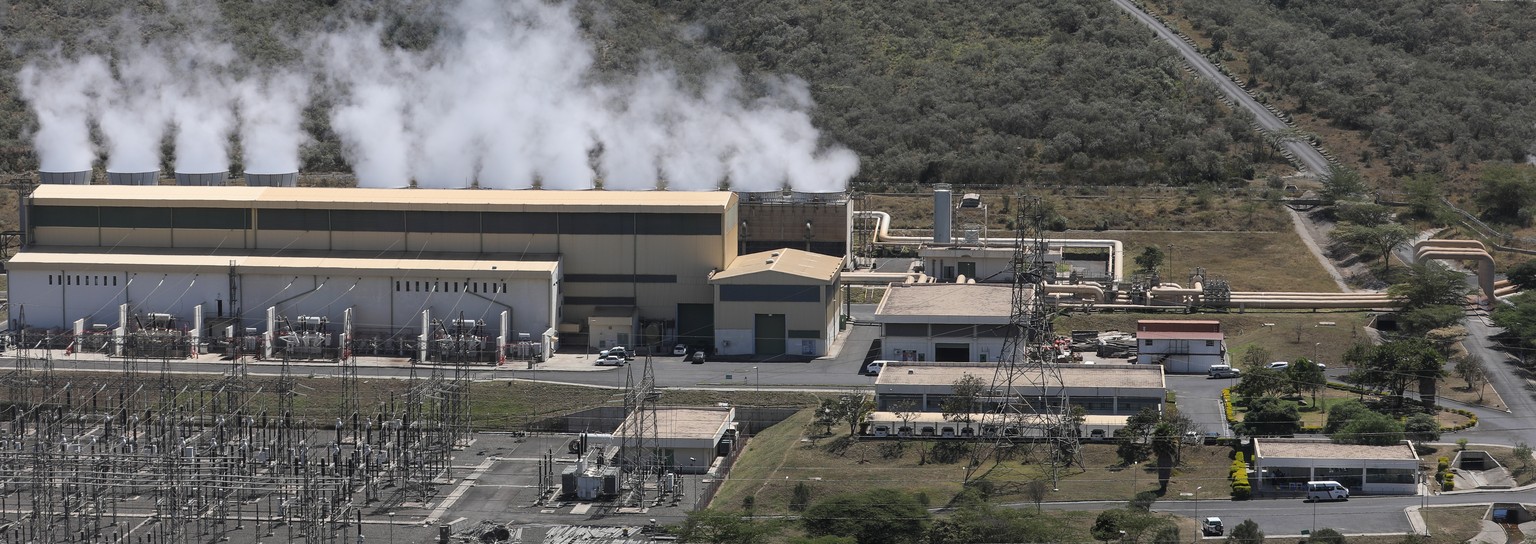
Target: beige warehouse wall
point(66, 236)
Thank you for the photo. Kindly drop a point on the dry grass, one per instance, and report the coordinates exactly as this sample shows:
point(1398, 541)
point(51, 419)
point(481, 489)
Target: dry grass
point(1249, 261)
point(1123, 208)
point(793, 452)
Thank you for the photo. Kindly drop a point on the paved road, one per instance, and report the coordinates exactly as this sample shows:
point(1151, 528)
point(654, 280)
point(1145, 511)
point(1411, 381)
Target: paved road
point(1309, 156)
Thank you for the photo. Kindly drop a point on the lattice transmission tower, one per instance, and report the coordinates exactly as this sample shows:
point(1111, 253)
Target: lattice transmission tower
point(1029, 416)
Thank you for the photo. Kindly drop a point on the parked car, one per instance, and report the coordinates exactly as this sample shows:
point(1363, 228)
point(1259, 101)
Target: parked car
point(1224, 371)
point(698, 357)
point(680, 350)
point(1211, 527)
point(611, 360)
point(874, 367)
point(620, 352)
point(1279, 365)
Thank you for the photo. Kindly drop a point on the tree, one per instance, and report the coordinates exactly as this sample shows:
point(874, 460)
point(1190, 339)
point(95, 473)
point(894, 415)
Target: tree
point(1166, 440)
point(1471, 370)
point(1421, 428)
point(1150, 259)
point(1524, 275)
point(906, 411)
point(800, 498)
point(1037, 489)
point(1523, 453)
point(1167, 534)
point(878, 516)
point(720, 527)
point(1269, 416)
point(1380, 240)
point(1508, 194)
point(1429, 285)
point(965, 399)
point(1133, 436)
point(1106, 526)
point(1393, 366)
point(1260, 382)
point(1364, 214)
point(1254, 358)
point(850, 409)
point(1370, 428)
point(1340, 414)
point(1306, 376)
point(1519, 320)
point(1246, 532)
point(1342, 183)
point(1423, 192)
point(1327, 536)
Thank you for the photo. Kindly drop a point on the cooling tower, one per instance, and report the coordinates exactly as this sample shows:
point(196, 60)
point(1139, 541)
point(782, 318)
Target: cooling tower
point(202, 178)
point(82, 177)
point(289, 179)
point(134, 178)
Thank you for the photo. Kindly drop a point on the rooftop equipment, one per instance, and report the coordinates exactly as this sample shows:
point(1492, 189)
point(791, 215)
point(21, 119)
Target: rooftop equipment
point(943, 200)
point(202, 179)
point(289, 179)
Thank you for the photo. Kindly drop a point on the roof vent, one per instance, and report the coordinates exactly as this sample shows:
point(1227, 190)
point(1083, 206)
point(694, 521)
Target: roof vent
point(909, 371)
point(775, 254)
point(769, 261)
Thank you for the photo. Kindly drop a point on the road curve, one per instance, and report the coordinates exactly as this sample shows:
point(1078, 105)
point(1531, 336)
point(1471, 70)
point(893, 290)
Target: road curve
point(1306, 154)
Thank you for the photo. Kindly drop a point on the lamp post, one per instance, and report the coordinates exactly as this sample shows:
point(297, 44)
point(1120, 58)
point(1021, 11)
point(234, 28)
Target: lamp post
point(391, 526)
point(1199, 521)
point(758, 378)
point(691, 462)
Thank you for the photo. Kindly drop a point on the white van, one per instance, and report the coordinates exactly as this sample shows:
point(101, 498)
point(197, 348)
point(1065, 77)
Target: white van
point(874, 367)
point(1327, 490)
point(1223, 371)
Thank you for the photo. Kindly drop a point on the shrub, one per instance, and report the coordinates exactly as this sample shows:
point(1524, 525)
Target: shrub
point(1241, 491)
point(1449, 482)
point(1444, 463)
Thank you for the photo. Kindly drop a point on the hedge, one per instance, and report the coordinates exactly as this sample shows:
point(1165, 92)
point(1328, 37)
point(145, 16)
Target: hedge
point(1226, 402)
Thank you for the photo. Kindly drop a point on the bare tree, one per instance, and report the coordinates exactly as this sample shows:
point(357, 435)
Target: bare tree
point(1471, 370)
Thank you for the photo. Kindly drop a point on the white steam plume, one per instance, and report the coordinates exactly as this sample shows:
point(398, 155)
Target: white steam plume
point(271, 118)
point(133, 111)
point(60, 94)
point(506, 97)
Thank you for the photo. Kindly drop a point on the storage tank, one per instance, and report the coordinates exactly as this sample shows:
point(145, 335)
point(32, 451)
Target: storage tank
point(82, 177)
point(151, 177)
point(943, 203)
point(202, 178)
point(289, 179)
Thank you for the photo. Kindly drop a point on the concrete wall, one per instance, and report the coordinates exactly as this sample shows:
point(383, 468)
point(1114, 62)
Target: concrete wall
point(895, 347)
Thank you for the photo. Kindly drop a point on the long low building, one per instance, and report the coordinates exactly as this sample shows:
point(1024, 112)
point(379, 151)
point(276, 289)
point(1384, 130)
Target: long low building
point(937, 425)
point(553, 260)
point(1287, 464)
point(1098, 389)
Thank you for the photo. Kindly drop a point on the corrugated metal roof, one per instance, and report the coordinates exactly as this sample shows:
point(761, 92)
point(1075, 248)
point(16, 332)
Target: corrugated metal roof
point(313, 263)
point(387, 199)
point(1178, 335)
point(1301, 448)
point(784, 261)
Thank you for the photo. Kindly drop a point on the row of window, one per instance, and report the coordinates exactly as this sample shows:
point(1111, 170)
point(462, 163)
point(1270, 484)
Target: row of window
point(466, 222)
point(77, 279)
point(439, 286)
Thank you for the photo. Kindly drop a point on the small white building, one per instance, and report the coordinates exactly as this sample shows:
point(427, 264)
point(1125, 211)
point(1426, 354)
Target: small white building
point(689, 439)
point(1287, 464)
point(1181, 346)
point(944, 321)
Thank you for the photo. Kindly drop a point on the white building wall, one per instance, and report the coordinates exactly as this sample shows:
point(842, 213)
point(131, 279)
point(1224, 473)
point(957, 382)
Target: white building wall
point(1183, 356)
point(982, 349)
point(377, 303)
point(734, 341)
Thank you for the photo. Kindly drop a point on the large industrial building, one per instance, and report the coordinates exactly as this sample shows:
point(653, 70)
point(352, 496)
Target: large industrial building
point(544, 264)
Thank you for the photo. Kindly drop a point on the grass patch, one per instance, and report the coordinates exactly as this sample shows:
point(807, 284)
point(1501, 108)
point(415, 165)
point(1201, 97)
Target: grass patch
point(795, 452)
point(1294, 334)
point(1249, 261)
point(1099, 208)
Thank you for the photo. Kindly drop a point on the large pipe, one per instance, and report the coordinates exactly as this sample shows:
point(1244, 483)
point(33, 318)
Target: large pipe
point(883, 236)
point(1460, 250)
point(1096, 292)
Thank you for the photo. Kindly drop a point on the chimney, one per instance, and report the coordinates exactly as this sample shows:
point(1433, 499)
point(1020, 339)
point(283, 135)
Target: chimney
point(942, 205)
